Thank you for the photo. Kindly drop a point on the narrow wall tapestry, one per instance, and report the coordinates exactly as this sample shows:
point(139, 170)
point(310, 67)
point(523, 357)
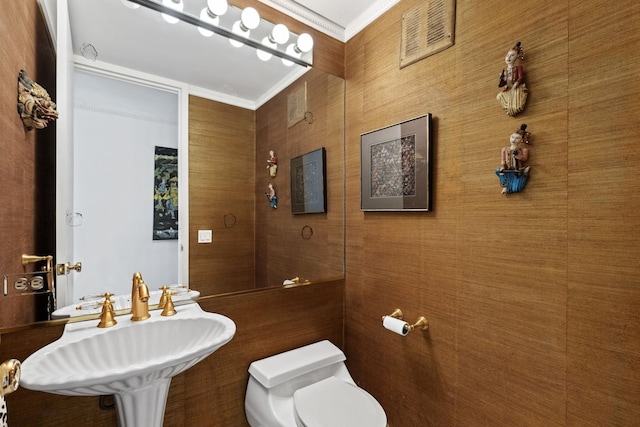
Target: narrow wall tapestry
point(165, 194)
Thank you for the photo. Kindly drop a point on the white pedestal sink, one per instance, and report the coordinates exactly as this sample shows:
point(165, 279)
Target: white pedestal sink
point(134, 361)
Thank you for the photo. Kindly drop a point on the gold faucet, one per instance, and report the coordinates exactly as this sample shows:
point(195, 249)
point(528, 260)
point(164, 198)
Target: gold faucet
point(139, 298)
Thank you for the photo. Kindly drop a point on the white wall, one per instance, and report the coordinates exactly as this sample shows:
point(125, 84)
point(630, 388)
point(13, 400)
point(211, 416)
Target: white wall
point(117, 126)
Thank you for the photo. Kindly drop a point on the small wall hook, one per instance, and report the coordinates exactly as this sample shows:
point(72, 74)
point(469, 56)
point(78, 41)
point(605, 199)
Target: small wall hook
point(308, 117)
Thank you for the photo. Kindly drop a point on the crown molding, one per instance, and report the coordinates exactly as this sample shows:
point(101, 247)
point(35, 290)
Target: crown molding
point(308, 17)
point(320, 23)
point(372, 13)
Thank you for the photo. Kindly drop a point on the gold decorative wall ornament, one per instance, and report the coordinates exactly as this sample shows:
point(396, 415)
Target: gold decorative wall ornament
point(34, 104)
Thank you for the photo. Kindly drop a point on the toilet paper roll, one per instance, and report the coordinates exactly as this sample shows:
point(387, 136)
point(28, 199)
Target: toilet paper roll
point(398, 326)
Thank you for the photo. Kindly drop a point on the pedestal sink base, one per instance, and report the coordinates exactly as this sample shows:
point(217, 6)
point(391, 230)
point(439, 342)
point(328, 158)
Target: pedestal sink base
point(143, 407)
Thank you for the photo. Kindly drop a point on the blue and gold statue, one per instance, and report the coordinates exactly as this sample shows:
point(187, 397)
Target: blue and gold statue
point(513, 173)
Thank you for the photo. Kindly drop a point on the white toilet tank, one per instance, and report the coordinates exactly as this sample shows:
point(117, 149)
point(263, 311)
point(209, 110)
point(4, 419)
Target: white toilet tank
point(269, 401)
point(311, 359)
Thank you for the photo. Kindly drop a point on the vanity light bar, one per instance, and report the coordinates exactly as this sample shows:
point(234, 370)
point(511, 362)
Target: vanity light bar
point(196, 21)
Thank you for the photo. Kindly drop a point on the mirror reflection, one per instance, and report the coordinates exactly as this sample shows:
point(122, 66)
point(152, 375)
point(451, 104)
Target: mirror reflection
point(224, 137)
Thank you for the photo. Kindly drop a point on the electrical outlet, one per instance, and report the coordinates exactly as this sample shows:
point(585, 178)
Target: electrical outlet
point(205, 236)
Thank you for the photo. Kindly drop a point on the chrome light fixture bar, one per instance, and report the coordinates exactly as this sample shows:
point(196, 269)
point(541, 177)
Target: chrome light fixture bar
point(199, 23)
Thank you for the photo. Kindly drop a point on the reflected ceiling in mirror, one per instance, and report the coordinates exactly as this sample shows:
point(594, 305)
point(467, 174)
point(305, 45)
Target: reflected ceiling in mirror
point(101, 28)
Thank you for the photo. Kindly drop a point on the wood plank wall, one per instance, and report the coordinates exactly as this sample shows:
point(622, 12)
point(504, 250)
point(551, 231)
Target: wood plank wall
point(603, 275)
point(253, 245)
point(282, 252)
point(212, 392)
point(532, 298)
point(221, 196)
point(27, 158)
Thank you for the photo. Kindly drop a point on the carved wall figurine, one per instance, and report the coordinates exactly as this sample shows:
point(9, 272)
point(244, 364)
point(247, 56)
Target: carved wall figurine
point(272, 164)
point(513, 94)
point(34, 104)
point(513, 173)
point(271, 196)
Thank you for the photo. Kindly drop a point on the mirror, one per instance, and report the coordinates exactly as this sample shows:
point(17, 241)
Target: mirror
point(274, 244)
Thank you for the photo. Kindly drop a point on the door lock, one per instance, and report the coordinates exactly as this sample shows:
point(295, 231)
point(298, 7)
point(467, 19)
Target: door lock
point(62, 269)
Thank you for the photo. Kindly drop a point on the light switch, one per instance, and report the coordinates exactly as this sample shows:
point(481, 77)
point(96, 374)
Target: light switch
point(205, 236)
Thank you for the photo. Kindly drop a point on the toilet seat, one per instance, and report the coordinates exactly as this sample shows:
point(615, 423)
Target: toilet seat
point(335, 403)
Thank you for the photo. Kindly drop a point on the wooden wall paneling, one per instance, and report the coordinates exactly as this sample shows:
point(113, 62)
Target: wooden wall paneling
point(603, 345)
point(513, 325)
point(26, 211)
point(517, 332)
point(283, 252)
point(221, 182)
point(270, 238)
point(399, 256)
point(335, 131)
point(271, 234)
point(459, 245)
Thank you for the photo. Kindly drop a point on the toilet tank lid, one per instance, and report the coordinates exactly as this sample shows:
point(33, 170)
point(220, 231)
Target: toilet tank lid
point(275, 370)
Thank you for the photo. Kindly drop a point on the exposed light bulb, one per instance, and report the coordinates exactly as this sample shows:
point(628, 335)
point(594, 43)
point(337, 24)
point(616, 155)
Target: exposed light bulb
point(293, 52)
point(218, 7)
point(237, 29)
point(305, 43)
point(205, 16)
point(279, 34)
point(250, 18)
point(129, 4)
point(265, 56)
point(173, 4)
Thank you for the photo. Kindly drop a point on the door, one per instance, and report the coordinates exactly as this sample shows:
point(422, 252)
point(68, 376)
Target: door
point(64, 155)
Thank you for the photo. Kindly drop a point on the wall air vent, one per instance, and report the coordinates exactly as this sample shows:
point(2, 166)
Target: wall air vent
point(427, 29)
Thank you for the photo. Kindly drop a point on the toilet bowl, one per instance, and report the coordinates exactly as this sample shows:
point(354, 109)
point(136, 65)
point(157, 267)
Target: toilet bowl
point(309, 386)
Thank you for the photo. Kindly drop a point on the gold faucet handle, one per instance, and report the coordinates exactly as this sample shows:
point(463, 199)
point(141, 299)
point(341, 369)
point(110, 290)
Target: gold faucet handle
point(107, 317)
point(168, 308)
point(107, 300)
point(164, 296)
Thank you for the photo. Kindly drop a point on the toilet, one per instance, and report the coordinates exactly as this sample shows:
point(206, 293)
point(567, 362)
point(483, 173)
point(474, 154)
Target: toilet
point(309, 386)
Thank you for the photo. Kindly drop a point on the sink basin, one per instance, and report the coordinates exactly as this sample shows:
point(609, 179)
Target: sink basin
point(135, 361)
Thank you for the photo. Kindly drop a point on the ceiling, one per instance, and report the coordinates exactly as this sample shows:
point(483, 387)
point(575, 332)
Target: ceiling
point(140, 40)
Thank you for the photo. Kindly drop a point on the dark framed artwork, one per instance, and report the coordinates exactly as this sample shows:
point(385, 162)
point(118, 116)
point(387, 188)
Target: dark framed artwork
point(396, 168)
point(309, 182)
point(165, 194)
